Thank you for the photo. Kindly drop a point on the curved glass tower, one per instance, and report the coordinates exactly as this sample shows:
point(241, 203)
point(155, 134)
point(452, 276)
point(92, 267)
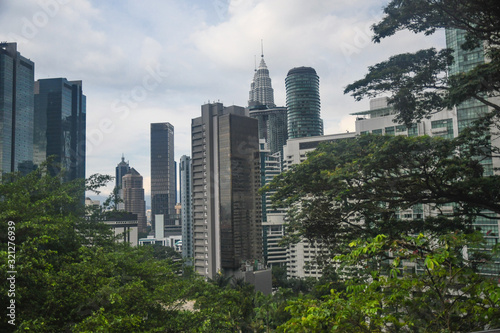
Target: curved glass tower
point(303, 103)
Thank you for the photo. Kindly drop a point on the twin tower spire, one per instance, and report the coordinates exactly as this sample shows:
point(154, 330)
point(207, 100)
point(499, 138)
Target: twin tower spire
point(261, 91)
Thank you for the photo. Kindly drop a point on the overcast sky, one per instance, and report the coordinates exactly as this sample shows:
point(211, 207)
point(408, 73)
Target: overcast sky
point(146, 61)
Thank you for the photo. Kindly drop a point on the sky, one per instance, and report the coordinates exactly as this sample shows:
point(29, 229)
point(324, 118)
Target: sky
point(148, 61)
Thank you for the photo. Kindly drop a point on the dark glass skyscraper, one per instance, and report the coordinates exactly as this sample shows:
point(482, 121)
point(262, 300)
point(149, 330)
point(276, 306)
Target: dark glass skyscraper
point(226, 179)
point(16, 110)
point(186, 178)
point(163, 190)
point(303, 103)
point(60, 124)
point(121, 170)
point(272, 126)
point(467, 113)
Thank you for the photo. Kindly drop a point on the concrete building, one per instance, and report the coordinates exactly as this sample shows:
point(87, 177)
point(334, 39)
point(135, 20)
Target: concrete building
point(380, 120)
point(226, 177)
point(16, 110)
point(301, 257)
point(185, 181)
point(303, 103)
point(133, 197)
point(163, 191)
point(60, 125)
point(272, 219)
point(125, 228)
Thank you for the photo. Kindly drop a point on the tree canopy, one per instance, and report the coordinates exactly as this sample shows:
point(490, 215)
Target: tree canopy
point(418, 83)
point(401, 209)
point(71, 275)
point(362, 187)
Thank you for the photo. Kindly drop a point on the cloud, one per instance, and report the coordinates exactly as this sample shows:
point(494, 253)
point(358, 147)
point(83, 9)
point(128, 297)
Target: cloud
point(158, 61)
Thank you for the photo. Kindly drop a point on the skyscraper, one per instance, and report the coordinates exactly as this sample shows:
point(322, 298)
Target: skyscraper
point(121, 170)
point(133, 197)
point(272, 120)
point(186, 206)
point(226, 179)
point(464, 61)
point(162, 173)
point(303, 103)
point(467, 112)
point(16, 110)
point(261, 91)
point(60, 124)
point(272, 126)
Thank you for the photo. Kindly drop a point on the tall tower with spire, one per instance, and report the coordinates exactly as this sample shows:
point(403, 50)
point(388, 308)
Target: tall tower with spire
point(261, 91)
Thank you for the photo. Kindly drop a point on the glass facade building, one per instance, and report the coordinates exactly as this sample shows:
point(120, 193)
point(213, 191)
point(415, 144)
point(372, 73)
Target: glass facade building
point(467, 112)
point(121, 170)
point(60, 125)
point(163, 192)
point(186, 206)
point(16, 110)
point(303, 103)
point(227, 231)
point(272, 127)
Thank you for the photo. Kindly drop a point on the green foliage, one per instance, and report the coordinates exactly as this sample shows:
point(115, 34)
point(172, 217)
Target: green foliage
point(420, 285)
point(417, 83)
point(358, 187)
point(73, 277)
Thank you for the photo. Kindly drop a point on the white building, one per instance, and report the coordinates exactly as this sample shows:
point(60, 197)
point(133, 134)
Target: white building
point(301, 257)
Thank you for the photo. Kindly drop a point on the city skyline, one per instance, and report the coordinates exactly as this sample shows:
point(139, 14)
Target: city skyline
point(139, 67)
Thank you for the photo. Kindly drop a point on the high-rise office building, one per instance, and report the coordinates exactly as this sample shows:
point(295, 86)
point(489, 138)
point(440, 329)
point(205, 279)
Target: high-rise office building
point(17, 77)
point(226, 179)
point(163, 192)
point(464, 61)
point(272, 219)
point(60, 125)
point(133, 197)
point(272, 127)
point(303, 103)
point(185, 181)
point(466, 113)
point(272, 120)
point(261, 90)
point(380, 120)
point(121, 170)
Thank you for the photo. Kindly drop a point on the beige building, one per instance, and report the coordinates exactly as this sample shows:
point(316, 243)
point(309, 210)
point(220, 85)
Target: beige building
point(133, 197)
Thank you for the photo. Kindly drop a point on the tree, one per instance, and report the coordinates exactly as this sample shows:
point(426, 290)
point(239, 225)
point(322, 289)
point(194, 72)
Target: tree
point(423, 285)
point(71, 275)
point(418, 83)
point(359, 188)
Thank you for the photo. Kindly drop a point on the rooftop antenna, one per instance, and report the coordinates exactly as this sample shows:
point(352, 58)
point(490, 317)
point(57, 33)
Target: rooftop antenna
point(255, 61)
point(261, 48)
